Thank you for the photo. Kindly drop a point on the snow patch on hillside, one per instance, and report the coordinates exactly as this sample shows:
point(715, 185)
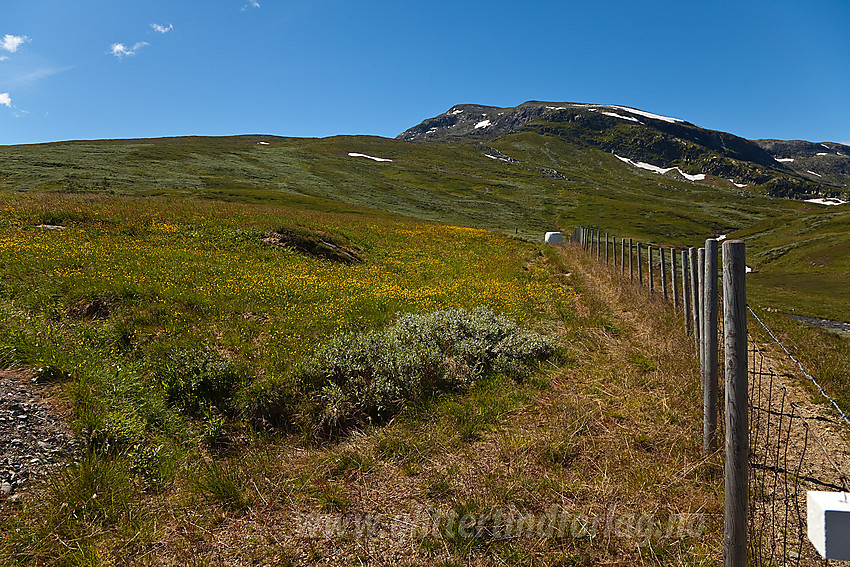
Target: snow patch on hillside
point(784, 159)
point(826, 201)
point(646, 114)
point(483, 124)
point(739, 185)
point(813, 173)
point(496, 157)
point(454, 112)
point(661, 170)
point(615, 115)
point(353, 154)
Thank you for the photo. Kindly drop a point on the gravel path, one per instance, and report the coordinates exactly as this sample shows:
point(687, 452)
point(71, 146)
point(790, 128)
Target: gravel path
point(34, 436)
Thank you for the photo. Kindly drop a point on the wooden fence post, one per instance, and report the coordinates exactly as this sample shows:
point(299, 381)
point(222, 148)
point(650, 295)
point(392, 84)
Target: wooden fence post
point(631, 256)
point(737, 435)
point(623, 258)
point(614, 250)
point(686, 296)
point(709, 338)
point(598, 243)
point(663, 274)
point(674, 278)
point(606, 248)
point(639, 264)
point(649, 272)
point(693, 265)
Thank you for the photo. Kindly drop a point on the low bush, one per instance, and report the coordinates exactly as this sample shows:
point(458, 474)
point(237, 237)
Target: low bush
point(360, 378)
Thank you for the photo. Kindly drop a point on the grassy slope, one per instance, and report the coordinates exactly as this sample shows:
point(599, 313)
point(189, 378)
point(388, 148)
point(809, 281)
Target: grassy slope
point(449, 182)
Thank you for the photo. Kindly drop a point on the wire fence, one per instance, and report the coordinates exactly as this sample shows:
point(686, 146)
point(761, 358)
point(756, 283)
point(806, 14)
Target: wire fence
point(792, 444)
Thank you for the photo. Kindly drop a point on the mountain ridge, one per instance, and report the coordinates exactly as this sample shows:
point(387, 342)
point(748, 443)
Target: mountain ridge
point(660, 142)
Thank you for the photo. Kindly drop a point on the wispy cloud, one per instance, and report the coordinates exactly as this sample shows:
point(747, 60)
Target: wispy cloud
point(162, 29)
point(33, 75)
point(251, 4)
point(120, 50)
point(6, 100)
point(3, 57)
point(11, 43)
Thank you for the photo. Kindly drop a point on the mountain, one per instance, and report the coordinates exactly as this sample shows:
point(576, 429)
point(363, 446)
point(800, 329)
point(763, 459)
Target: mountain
point(826, 162)
point(656, 143)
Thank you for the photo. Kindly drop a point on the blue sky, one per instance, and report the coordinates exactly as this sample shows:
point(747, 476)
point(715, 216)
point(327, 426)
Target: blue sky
point(85, 69)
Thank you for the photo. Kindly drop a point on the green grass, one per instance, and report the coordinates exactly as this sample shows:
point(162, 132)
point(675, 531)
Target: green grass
point(454, 182)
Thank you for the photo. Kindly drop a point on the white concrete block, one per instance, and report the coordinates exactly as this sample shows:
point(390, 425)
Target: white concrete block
point(554, 238)
point(829, 523)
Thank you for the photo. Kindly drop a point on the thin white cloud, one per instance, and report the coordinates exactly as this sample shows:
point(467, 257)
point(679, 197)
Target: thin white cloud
point(162, 29)
point(120, 50)
point(251, 4)
point(3, 57)
point(6, 100)
point(11, 43)
point(34, 75)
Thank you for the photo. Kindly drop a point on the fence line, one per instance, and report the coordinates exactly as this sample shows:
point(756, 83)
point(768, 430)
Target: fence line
point(767, 431)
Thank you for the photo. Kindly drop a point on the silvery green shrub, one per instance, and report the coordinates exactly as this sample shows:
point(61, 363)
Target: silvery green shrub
point(366, 377)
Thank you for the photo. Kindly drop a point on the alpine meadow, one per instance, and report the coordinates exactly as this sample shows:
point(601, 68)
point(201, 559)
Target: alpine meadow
point(358, 350)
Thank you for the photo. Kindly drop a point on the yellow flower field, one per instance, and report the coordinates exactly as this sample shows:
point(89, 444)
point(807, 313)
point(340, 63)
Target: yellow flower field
point(197, 269)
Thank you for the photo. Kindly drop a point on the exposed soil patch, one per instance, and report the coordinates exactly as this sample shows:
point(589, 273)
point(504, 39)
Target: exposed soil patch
point(316, 243)
point(34, 436)
point(88, 308)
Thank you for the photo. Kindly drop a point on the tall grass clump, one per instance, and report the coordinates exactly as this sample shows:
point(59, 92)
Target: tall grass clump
point(360, 378)
point(195, 379)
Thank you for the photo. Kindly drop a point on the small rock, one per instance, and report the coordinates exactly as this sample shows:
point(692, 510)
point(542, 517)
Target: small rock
point(5, 489)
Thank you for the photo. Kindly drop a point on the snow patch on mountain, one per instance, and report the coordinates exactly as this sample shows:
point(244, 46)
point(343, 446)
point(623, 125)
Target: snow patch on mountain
point(483, 124)
point(647, 114)
point(353, 154)
point(826, 201)
point(661, 170)
point(615, 115)
point(813, 173)
point(784, 159)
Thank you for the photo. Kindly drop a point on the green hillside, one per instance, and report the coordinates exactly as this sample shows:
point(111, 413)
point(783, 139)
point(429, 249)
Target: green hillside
point(534, 180)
